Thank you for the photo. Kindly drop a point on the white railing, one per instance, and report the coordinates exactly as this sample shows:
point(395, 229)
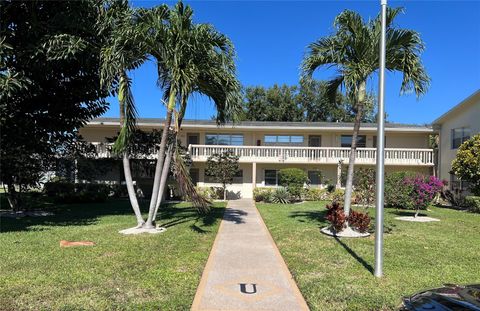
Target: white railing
point(280, 154)
point(103, 150)
point(331, 155)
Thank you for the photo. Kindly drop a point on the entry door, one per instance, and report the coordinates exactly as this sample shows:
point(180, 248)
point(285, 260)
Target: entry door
point(193, 139)
point(314, 141)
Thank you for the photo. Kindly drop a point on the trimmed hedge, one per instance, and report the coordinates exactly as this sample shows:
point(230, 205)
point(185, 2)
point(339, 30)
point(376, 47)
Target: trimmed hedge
point(64, 192)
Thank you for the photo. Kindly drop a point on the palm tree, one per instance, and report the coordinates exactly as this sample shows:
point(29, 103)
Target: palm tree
point(353, 51)
point(191, 58)
point(124, 50)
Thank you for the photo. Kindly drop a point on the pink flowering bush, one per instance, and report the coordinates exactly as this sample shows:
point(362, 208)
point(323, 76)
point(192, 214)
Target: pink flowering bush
point(423, 190)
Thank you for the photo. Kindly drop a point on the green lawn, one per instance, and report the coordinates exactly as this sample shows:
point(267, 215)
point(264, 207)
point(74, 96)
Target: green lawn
point(337, 274)
point(147, 272)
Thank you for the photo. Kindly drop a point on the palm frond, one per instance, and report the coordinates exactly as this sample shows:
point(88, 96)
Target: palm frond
point(185, 184)
point(127, 104)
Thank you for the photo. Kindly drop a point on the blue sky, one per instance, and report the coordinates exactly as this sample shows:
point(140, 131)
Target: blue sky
point(271, 38)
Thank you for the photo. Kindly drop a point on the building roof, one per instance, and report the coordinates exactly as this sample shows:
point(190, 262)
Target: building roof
point(470, 100)
point(274, 125)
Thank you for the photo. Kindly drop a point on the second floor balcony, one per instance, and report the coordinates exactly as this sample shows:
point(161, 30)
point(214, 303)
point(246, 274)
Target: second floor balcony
point(320, 155)
point(299, 155)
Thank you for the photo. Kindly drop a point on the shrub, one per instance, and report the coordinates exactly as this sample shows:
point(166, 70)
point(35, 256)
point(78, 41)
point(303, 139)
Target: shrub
point(281, 195)
point(293, 179)
point(455, 197)
point(330, 187)
point(466, 164)
point(336, 216)
point(365, 186)
point(54, 189)
point(397, 192)
point(262, 194)
point(211, 193)
point(64, 192)
point(424, 190)
point(337, 196)
point(315, 194)
point(359, 221)
point(92, 192)
point(118, 191)
point(473, 203)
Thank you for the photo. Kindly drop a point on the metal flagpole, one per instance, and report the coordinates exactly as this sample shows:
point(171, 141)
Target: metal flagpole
point(380, 151)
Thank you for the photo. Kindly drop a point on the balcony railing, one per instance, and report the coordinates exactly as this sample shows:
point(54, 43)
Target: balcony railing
point(278, 154)
point(329, 155)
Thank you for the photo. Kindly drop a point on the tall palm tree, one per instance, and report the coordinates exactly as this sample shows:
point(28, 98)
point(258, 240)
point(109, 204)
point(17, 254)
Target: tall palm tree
point(353, 51)
point(124, 50)
point(191, 58)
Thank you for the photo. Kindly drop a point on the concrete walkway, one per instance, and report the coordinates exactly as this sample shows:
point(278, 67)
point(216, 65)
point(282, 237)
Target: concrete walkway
point(245, 270)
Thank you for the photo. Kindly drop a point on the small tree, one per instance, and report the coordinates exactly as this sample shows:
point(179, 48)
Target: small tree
point(222, 168)
point(466, 165)
point(293, 179)
point(424, 190)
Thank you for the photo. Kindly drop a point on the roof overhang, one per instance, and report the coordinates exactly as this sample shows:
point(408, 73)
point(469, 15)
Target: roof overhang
point(463, 104)
point(269, 126)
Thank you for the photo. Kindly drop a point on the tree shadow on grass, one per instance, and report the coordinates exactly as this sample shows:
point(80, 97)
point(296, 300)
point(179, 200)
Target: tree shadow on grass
point(89, 213)
point(318, 217)
point(352, 253)
point(67, 215)
point(170, 216)
point(310, 216)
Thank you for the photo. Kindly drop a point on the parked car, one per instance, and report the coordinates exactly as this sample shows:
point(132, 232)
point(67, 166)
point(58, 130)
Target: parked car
point(447, 298)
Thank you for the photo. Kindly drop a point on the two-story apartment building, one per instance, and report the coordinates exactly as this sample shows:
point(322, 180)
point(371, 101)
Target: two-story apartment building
point(455, 126)
point(266, 147)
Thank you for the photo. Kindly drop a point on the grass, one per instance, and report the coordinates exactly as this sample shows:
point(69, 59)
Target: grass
point(146, 272)
point(336, 274)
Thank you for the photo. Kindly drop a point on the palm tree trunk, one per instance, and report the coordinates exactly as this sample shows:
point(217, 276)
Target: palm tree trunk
point(166, 167)
point(160, 160)
point(353, 148)
point(128, 174)
point(163, 181)
point(131, 190)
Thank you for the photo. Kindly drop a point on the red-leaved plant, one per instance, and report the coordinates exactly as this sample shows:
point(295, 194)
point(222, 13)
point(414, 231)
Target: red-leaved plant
point(359, 221)
point(336, 217)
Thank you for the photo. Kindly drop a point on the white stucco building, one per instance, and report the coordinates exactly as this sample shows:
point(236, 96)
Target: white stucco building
point(454, 127)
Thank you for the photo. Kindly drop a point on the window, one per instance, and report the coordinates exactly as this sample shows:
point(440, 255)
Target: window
point(224, 139)
point(192, 139)
point(460, 135)
point(315, 178)
point(271, 177)
point(346, 141)
point(194, 174)
point(315, 141)
point(238, 178)
point(283, 139)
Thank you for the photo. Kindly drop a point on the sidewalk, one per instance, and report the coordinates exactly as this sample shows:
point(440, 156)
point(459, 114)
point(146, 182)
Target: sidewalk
point(245, 270)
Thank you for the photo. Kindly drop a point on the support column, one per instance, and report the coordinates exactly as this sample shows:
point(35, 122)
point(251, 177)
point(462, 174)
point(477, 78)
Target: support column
point(339, 175)
point(254, 175)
